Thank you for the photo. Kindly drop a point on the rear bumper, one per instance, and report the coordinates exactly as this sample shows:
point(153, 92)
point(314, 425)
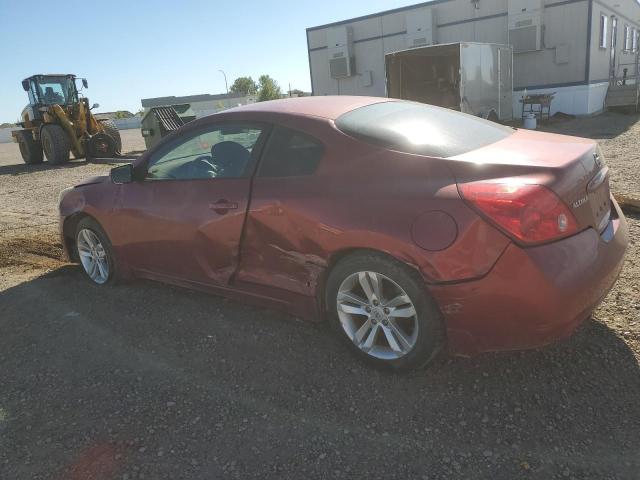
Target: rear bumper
point(534, 296)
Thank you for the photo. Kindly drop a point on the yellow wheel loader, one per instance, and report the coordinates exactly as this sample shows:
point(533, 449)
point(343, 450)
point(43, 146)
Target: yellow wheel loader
point(58, 121)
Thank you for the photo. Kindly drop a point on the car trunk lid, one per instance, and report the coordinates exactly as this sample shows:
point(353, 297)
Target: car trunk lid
point(573, 168)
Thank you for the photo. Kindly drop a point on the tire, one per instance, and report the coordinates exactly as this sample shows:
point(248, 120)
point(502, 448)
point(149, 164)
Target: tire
point(423, 333)
point(30, 150)
point(100, 145)
point(55, 143)
point(111, 129)
point(92, 243)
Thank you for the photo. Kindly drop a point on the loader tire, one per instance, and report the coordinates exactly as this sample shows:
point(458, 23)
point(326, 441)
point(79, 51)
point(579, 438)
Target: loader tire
point(30, 150)
point(111, 129)
point(101, 145)
point(56, 144)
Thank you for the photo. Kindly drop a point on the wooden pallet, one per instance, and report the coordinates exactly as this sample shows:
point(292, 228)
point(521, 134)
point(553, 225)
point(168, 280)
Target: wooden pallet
point(628, 203)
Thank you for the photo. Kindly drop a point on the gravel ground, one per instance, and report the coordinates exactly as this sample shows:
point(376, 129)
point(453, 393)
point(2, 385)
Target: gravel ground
point(149, 381)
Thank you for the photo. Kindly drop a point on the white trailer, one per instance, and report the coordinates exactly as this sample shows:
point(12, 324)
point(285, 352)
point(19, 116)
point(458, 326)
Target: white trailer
point(474, 78)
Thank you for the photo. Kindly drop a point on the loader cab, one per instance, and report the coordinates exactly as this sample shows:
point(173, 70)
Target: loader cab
point(44, 90)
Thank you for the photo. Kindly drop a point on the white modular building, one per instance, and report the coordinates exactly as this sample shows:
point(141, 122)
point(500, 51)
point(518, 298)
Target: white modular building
point(573, 48)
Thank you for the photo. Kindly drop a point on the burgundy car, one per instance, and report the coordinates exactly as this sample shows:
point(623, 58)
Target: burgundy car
point(409, 227)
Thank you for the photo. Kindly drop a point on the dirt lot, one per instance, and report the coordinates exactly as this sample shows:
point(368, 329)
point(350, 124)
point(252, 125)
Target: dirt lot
point(148, 381)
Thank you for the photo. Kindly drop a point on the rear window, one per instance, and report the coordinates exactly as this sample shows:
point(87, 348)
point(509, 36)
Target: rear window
point(290, 154)
point(419, 128)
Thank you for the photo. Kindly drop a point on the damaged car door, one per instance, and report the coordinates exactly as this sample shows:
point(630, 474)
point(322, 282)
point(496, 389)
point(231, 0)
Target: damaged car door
point(184, 220)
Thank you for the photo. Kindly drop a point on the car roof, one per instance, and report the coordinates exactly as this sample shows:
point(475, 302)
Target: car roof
point(329, 106)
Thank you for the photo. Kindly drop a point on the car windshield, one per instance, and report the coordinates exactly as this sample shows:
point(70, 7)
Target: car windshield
point(419, 128)
point(60, 90)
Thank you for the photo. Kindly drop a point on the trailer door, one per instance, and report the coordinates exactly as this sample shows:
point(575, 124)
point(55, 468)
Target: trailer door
point(505, 84)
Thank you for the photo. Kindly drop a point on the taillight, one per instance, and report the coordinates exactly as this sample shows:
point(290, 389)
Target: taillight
point(530, 213)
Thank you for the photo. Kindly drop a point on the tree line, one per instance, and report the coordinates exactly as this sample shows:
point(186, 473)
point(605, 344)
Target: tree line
point(266, 88)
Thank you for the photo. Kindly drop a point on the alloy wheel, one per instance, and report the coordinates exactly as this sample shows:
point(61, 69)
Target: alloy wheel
point(93, 256)
point(377, 315)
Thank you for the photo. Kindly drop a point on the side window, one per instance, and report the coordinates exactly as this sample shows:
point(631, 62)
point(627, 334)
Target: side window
point(290, 153)
point(220, 151)
point(32, 95)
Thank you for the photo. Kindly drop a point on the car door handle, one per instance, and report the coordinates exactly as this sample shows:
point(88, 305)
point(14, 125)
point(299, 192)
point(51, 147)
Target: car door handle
point(223, 206)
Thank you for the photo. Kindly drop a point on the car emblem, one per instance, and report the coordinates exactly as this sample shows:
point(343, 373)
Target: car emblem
point(597, 159)
point(580, 201)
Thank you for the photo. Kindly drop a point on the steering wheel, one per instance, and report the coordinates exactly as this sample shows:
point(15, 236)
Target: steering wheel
point(203, 166)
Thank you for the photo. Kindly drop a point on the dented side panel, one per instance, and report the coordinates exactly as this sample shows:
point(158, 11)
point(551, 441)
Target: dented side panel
point(297, 226)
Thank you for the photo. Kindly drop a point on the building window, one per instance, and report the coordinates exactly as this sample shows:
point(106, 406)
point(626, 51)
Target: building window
point(604, 20)
point(627, 38)
point(634, 40)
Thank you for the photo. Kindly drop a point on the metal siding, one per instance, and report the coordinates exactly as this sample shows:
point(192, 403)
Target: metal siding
point(626, 11)
point(565, 24)
point(493, 30)
point(369, 28)
point(599, 59)
point(317, 38)
point(456, 33)
point(394, 23)
point(539, 67)
point(323, 84)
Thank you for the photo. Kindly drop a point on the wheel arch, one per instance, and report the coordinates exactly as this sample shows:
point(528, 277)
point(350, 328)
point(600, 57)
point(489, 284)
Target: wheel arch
point(68, 231)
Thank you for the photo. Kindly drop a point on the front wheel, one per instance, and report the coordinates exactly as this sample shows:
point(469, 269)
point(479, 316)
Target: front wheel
point(95, 252)
point(383, 311)
point(56, 144)
point(100, 145)
point(111, 129)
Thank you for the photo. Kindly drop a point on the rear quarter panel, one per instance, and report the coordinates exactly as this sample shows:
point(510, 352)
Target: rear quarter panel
point(361, 197)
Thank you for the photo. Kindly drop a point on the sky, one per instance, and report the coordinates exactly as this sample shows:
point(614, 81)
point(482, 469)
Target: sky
point(135, 49)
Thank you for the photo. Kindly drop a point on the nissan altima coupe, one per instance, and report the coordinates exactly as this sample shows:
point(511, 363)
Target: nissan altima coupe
point(412, 229)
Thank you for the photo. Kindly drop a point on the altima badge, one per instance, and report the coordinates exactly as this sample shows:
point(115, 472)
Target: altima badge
point(580, 201)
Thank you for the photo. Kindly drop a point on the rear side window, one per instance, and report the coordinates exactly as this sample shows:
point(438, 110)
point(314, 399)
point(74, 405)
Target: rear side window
point(290, 153)
point(419, 128)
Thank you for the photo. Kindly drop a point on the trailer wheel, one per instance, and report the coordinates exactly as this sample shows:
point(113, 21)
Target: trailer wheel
point(30, 150)
point(56, 144)
point(111, 129)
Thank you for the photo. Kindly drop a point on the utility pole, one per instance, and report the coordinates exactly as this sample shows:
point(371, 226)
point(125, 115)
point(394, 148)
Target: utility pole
point(226, 86)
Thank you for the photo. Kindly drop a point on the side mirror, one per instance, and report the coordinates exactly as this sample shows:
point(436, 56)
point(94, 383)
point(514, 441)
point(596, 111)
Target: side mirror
point(95, 105)
point(25, 85)
point(85, 84)
point(122, 174)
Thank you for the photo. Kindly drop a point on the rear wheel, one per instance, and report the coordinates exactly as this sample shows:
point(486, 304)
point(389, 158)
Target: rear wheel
point(380, 307)
point(30, 150)
point(56, 144)
point(111, 129)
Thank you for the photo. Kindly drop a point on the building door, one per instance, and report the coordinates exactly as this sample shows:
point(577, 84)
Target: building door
point(505, 84)
point(612, 57)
